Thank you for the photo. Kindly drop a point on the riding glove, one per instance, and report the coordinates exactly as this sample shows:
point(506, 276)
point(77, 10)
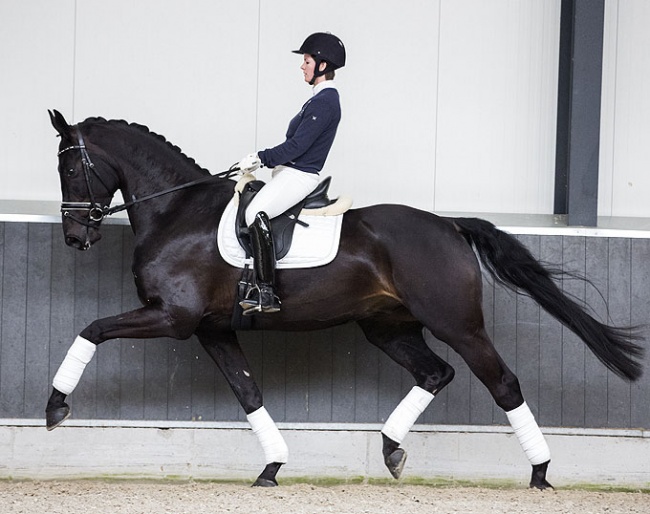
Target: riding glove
point(249, 163)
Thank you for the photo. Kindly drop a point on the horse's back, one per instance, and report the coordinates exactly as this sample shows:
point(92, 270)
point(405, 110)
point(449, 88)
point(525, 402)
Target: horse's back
point(403, 229)
point(423, 256)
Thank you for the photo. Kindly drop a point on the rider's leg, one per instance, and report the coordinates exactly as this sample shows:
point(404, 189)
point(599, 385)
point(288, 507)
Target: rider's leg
point(262, 297)
point(287, 187)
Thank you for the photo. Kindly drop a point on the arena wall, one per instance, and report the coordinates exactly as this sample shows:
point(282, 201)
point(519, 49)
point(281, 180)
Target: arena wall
point(448, 107)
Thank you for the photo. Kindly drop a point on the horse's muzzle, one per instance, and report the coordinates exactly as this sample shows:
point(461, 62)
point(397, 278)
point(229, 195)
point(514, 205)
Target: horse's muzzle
point(82, 241)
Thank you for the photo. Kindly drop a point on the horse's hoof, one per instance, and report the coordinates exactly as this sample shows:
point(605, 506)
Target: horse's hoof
point(395, 462)
point(54, 417)
point(538, 477)
point(265, 482)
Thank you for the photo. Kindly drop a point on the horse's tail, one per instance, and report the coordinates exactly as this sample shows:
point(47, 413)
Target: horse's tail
point(511, 264)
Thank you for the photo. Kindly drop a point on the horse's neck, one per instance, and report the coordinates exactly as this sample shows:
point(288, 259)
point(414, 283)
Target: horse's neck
point(155, 166)
point(147, 166)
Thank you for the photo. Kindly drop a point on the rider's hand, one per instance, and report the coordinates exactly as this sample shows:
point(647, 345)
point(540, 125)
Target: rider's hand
point(249, 163)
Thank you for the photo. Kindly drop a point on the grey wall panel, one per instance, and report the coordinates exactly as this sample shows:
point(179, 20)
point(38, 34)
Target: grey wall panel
point(596, 254)
point(640, 315)
point(619, 298)
point(573, 349)
point(49, 292)
point(37, 332)
point(343, 380)
point(550, 350)
point(14, 319)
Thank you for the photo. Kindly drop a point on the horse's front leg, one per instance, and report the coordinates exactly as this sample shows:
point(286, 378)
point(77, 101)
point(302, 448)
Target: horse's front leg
point(228, 355)
point(147, 322)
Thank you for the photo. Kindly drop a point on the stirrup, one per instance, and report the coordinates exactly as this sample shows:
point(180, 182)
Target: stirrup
point(260, 300)
point(249, 302)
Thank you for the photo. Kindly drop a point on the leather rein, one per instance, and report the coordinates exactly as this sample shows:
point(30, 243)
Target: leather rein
point(97, 212)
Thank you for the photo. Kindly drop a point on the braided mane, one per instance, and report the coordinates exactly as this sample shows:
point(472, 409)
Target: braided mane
point(145, 130)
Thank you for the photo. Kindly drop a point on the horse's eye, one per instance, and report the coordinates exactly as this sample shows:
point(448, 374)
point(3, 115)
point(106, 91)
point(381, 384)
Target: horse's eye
point(70, 172)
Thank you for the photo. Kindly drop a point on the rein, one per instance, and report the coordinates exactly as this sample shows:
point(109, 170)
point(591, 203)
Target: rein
point(97, 212)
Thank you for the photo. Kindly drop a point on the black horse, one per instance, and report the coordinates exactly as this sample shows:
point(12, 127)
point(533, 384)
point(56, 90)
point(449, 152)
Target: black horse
point(399, 270)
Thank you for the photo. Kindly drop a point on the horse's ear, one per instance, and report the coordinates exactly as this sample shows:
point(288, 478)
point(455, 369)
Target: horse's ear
point(59, 123)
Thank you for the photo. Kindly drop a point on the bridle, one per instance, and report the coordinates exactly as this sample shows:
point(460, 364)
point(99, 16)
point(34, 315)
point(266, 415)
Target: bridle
point(97, 212)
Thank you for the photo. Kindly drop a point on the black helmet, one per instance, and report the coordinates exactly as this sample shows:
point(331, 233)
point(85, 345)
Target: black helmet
point(323, 46)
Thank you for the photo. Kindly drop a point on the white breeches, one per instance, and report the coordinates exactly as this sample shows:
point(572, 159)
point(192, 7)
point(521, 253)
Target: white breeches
point(286, 188)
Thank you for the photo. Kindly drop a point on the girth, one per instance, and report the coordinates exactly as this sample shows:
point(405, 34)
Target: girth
point(282, 226)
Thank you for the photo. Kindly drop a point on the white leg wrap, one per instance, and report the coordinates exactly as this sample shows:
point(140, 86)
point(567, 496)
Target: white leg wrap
point(406, 414)
point(530, 436)
point(275, 449)
point(72, 367)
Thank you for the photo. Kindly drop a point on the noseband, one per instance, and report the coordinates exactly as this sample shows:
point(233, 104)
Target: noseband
point(96, 213)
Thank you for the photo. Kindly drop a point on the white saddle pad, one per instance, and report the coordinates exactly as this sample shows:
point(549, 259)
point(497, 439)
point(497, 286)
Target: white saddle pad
point(312, 246)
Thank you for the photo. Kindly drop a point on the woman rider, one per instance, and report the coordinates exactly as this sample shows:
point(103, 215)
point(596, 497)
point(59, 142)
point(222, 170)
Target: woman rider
point(296, 162)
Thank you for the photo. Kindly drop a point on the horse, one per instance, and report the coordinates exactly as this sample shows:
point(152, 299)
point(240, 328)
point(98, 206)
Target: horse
point(398, 271)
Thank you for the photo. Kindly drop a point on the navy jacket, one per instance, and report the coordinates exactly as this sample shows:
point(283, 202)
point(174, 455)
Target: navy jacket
point(310, 135)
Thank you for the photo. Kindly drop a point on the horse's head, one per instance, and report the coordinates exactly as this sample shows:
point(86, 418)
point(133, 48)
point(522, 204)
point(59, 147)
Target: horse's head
point(86, 185)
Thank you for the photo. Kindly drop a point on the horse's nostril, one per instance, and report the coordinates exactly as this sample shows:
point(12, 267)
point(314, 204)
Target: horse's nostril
point(75, 242)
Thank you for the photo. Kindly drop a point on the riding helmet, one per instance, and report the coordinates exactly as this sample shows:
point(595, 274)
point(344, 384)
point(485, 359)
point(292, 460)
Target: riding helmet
point(323, 46)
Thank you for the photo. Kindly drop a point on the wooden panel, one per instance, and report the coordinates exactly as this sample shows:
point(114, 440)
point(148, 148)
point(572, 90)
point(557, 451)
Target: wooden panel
point(320, 375)
point(14, 306)
point(343, 380)
point(49, 292)
point(366, 380)
point(596, 375)
point(37, 342)
point(573, 349)
point(618, 390)
point(640, 316)
point(549, 409)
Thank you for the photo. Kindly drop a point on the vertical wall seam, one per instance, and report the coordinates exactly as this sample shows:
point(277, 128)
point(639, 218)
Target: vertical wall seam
point(259, 60)
point(584, 346)
point(607, 374)
point(3, 246)
point(629, 323)
point(437, 115)
point(74, 59)
point(614, 93)
point(25, 311)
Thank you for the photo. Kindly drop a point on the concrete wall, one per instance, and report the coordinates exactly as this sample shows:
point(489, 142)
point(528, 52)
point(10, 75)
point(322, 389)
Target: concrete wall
point(318, 452)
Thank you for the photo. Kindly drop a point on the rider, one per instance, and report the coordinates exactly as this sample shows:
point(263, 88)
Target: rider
point(296, 163)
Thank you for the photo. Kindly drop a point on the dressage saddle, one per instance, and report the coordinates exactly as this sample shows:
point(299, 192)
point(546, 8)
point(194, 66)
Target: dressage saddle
point(282, 226)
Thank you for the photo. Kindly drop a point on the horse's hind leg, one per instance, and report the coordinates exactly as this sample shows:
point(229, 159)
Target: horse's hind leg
point(229, 357)
point(483, 360)
point(404, 343)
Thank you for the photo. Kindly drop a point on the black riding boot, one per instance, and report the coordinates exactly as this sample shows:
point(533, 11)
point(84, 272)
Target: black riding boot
point(261, 297)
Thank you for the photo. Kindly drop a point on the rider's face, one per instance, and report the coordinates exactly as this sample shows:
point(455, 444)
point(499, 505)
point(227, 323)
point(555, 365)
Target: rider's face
point(308, 67)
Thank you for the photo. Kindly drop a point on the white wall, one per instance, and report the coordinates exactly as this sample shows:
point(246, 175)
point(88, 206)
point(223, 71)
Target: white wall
point(625, 135)
point(447, 105)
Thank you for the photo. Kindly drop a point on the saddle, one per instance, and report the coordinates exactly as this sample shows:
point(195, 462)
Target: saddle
point(282, 226)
